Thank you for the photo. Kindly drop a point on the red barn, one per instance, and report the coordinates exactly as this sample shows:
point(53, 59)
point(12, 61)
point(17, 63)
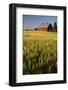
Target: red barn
point(42, 27)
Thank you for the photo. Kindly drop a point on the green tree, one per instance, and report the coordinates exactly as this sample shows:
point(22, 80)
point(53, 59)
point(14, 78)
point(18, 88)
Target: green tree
point(50, 28)
point(55, 26)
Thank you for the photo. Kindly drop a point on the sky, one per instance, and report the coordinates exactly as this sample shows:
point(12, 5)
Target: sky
point(32, 21)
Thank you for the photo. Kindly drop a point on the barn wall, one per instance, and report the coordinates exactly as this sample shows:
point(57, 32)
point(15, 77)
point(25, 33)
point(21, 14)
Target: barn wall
point(42, 29)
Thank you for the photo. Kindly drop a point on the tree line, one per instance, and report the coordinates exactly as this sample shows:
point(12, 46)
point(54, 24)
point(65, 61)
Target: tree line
point(52, 28)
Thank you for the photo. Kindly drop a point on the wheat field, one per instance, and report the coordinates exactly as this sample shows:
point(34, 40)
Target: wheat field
point(39, 52)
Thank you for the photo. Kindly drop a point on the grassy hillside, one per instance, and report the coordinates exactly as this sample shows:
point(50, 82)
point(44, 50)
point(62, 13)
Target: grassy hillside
point(39, 52)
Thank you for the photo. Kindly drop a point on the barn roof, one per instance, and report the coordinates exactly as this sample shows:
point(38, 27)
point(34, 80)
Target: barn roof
point(43, 25)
